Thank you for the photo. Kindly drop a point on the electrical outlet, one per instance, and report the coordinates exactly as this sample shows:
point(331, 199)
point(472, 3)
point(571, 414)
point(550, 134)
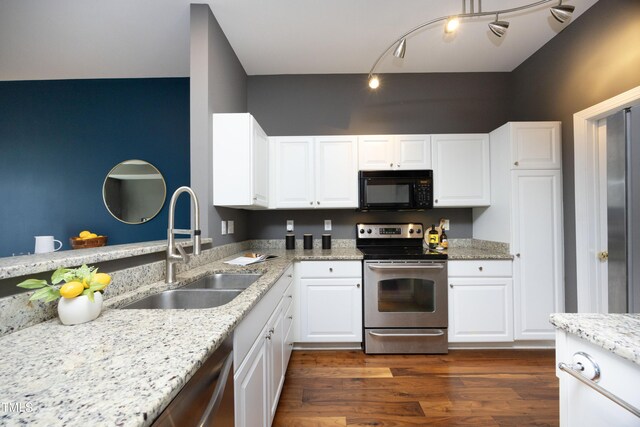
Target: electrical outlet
point(445, 224)
point(327, 225)
point(289, 226)
point(223, 228)
point(230, 225)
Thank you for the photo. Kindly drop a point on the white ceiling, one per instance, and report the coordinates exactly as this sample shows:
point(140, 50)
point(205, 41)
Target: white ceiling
point(63, 39)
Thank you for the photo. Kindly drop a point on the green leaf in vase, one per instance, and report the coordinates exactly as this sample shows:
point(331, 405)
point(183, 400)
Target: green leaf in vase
point(32, 284)
point(58, 275)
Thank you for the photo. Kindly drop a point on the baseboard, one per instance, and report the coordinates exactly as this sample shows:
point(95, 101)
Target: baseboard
point(327, 346)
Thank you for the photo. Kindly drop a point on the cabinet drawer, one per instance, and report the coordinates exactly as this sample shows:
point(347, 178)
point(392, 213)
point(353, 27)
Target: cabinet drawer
point(480, 268)
point(330, 269)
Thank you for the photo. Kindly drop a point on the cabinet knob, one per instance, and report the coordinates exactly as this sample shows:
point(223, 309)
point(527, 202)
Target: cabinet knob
point(255, 198)
point(358, 285)
point(318, 202)
point(271, 331)
point(603, 256)
point(435, 201)
point(398, 165)
point(517, 255)
point(390, 165)
point(516, 163)
point(480, 268)
point(330, 270)
point(290, 317)
point(291, 344)
point(451, 285)
point(289, 296)
point(289, 275)
point(311, 202)
point(268, 337)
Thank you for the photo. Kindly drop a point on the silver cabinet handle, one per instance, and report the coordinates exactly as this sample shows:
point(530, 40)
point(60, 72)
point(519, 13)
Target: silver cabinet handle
point(597, 387)
point(378, 334)
point(406, 266)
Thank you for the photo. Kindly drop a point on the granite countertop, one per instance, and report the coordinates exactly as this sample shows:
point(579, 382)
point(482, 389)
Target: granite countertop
point(617, 333)
point(475, 249)
point(37, 263)
point(127, 365)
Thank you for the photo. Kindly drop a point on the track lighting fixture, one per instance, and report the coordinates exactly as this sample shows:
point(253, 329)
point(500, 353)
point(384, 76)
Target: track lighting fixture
point(561, 13)
point(401, 49)
point(499, 28)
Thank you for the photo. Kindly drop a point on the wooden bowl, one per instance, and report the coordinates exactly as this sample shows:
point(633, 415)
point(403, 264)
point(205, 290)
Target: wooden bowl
point(80, 243)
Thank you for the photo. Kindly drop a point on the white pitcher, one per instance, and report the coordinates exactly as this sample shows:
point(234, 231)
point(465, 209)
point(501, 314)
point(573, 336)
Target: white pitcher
point(44, 244)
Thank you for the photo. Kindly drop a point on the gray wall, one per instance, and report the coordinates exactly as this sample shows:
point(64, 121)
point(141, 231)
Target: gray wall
point(273, 223)
point(343, 104)
point(218, 85)
point(405, 103)
point(593, 59)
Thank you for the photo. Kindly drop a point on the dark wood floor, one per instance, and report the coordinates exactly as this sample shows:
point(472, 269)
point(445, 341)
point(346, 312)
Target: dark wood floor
point(463, 388)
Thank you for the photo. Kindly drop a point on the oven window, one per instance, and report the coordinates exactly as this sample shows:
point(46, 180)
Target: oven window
point(387, 194)
point(406, 295)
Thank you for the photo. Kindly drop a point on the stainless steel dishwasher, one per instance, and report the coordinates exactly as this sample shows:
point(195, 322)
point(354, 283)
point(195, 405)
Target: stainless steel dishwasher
point(207, 398)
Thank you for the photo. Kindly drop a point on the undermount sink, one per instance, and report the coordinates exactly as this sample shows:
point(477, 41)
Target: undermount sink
point(186, 299)
point(224, 281)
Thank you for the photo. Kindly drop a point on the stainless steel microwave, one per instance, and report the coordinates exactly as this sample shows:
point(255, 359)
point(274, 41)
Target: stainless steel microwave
point(396, 190)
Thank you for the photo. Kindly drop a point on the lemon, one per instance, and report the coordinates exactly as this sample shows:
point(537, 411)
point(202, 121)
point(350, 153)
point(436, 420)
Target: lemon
point(71, 289)
point(93, 235)
point(85, 284)
point(84, 233)
point(102, 278)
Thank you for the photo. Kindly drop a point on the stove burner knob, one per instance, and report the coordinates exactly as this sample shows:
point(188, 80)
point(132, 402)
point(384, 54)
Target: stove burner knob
point(418, 231)
point(411, 231)
point(362, 231)
point(369, 231)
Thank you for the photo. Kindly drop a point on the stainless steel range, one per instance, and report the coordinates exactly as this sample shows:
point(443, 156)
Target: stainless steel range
point(405, 290)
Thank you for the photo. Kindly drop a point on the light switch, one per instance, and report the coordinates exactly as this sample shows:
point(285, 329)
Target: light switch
point(289, 226)
point(445, 224)
point(327, 225)
point(223, 228)
point(230, 229)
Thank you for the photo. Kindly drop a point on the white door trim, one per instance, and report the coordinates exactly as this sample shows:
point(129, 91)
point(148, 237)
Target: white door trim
point(587, 196)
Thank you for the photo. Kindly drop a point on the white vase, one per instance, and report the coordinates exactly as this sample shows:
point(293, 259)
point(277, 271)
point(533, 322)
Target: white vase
point(73, 311)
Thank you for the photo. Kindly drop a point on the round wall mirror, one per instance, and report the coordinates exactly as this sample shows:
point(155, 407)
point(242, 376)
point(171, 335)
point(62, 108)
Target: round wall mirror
point(134, 191)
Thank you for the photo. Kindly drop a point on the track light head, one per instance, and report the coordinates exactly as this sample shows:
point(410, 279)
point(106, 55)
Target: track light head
point(499, 28)
point(562, 12)
point(374, 82)
point(400, 49)
point(452, 25)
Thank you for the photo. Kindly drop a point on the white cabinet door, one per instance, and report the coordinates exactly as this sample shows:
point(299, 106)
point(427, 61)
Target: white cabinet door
point(251, 388)
point(461, 174)
point(293, 172)
point(537, 243)
point(336, 172)
point(275, 356)
point(261, 167)
point(480, 309)
point(240, 161)
point(413, 152)
point(330, 310)
point(375, 152)
point(535, 145)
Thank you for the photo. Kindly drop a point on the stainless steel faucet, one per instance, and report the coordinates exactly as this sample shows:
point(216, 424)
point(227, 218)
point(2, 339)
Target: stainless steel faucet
point(181, 256)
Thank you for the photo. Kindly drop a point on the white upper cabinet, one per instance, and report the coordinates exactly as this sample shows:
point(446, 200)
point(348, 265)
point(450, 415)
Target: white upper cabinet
point(461, 170)
point(535, 145)
point(394, 152)
point(314, 172)
point(240, 162)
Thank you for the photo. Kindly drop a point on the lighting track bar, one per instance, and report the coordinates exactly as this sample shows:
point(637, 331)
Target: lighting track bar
point(560, 12)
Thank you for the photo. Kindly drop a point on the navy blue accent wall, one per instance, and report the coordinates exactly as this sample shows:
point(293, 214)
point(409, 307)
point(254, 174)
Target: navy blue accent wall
point(59, 139)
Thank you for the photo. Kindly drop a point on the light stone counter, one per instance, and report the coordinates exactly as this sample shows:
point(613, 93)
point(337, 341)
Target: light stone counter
point(127, 365)
point(37, 263)
point(617, 333)
point(473, 249)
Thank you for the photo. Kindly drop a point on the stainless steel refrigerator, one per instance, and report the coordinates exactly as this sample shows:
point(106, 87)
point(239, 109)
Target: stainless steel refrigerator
point(623, 210)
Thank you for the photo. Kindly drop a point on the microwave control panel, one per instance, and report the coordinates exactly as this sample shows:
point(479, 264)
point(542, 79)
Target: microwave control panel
point(422, 194)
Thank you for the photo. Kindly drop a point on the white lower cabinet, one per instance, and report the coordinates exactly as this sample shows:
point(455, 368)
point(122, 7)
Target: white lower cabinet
point(480, 301)
point(260, 356)
point(330, 303)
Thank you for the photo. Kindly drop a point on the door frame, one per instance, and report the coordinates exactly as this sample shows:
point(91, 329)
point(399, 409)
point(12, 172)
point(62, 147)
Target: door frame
point(587, 198)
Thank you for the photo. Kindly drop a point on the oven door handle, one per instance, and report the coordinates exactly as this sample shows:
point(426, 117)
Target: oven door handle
point(406, 266)
point(378, 334)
